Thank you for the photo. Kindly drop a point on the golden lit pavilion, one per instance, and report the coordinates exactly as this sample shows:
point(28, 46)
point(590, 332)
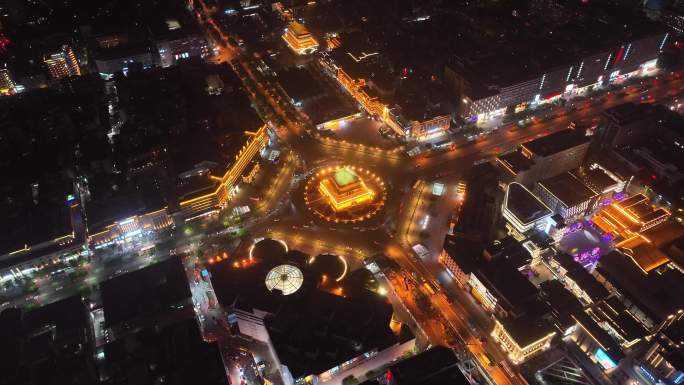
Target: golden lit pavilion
point(345, 189)
point(300, 39)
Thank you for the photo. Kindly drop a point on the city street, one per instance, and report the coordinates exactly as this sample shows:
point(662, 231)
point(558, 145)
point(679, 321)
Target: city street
point(422, 201)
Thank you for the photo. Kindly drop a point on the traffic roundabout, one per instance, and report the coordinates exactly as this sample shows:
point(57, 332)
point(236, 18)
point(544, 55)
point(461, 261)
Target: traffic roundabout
point(344, 194)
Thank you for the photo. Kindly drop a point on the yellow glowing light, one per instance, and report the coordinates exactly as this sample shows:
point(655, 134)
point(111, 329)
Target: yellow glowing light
point(344, 262)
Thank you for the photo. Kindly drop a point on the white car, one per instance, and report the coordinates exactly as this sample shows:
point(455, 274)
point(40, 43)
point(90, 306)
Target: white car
point(420, 250)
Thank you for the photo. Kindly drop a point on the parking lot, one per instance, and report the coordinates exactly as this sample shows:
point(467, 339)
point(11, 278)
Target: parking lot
point(364, 131)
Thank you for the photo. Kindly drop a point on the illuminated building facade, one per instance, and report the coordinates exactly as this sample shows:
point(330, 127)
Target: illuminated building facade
point(555, 154)
point(299, 39)
point(664, 360)
point(501, 288)
point(7, 83)
point(225, 186)
point(595, 341)
point(131, 227)
point(522, 337)
point(460, 256)
point(172, 51)
point(354, 72)
point(430, 128)
point(63, 63)
point(119, 58)
point(545, 157)
point(625, 219)
point(484, 95)
point(64, 243)
point(345, 189)
point(566, 195)
point(523, 211)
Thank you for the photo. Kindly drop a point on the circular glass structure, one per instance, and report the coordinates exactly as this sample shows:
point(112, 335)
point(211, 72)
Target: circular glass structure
point(286, 278)
point(344, 194)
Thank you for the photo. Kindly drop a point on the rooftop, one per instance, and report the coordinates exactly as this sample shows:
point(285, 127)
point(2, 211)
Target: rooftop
point(176, 353)
point(298, 28)
point(433, 366)
point(324, 330)
point(345, 176)
point(512, 250)
point(655, 293)
point(588, 284)
point(286, 279)
point(357, 56)
point(145, 293)
point(25, 223)
point(524, 205)
point(507, 284)
point(117, 205)
point(465, 252)
point(299, 84)
point(616, 314)
point(170, 106)
point(537, 38)
point(123, 51)
point(568, 189)
point(556, 142)
point(628, 113)
point(645, 254)
point(595, 179)
point(527, 329)
point(604, 339)
point(236, 287)
point(675, 331)
point(46, 345)
point(480, 209)
point(562, 302)
point(515, 162)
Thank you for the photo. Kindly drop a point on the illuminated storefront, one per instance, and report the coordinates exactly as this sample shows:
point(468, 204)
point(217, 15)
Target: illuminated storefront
point(480, 292)
point(131, 227)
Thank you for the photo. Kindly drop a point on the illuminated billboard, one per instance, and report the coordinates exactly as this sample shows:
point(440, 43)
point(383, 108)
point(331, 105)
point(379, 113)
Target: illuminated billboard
point(604, 360)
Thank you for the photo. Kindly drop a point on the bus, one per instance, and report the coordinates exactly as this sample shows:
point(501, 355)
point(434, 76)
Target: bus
point(429, 288)
point(484, 359)
point(487, 359)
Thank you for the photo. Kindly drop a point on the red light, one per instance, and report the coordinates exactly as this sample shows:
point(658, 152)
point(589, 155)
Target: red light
point(4, 42)
point(389, 375)
point(619, 55)
point(654, 177)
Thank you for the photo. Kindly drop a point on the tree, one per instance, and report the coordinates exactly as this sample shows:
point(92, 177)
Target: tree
point(350, 380)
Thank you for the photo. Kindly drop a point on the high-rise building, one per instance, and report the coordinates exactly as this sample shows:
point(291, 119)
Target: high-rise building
point(7, 83)
point(545, 157)
point(62, 63)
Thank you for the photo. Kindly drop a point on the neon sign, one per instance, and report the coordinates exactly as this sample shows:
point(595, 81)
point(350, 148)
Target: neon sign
point(604, 360)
